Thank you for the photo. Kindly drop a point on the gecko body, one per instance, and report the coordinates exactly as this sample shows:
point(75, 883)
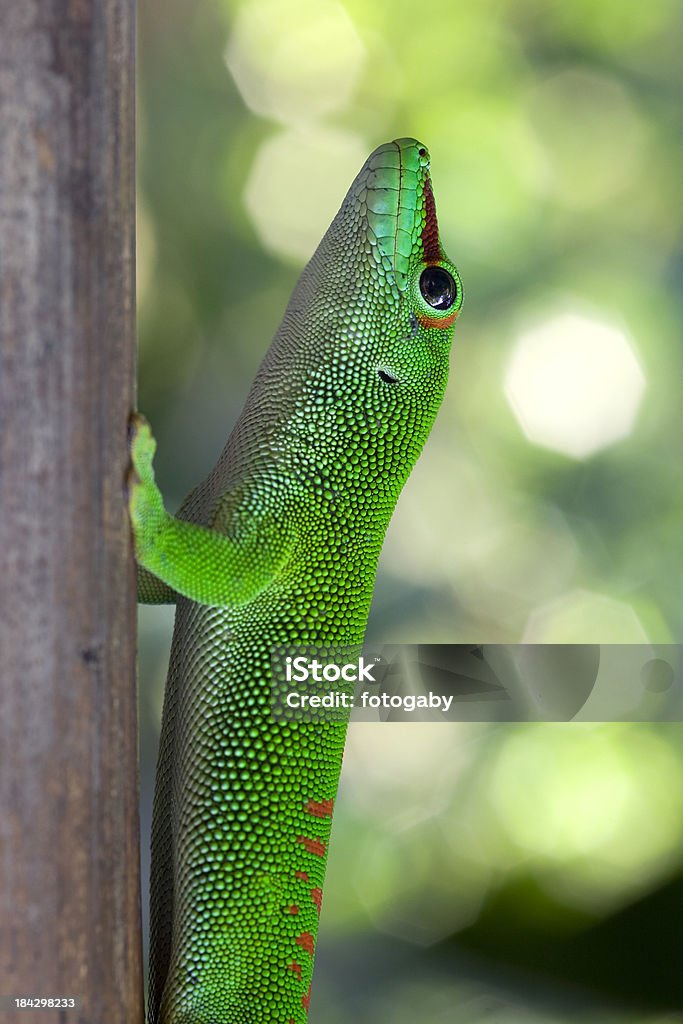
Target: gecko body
point(279, 546)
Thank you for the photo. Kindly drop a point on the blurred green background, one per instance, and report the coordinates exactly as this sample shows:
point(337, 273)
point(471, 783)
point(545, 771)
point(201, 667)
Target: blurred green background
point(497, 873)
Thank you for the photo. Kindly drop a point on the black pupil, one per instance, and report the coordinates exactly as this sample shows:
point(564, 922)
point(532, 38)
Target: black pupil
point(438, 288)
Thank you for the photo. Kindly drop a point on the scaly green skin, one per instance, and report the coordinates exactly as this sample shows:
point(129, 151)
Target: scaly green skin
point(279, 546)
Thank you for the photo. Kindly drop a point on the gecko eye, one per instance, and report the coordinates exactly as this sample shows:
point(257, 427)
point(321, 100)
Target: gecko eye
point(438, 288)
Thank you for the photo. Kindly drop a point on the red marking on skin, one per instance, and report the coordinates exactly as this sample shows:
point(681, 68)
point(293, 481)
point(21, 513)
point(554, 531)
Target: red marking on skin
point(294, 966)
point(316, 846)
point(317, 897)
point(430, 231)
point(301, 875)
point(307, 942)
point(435, 321)
point(292, 910)
point(306, 1000)
point(320, 810)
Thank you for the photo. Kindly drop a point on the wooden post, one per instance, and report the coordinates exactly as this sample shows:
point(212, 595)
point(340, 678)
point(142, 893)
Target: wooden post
point(69, 875)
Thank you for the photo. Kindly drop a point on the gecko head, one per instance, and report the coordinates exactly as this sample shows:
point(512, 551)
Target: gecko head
point(394, 201)
point(411, 293)
point(366, 339)
point(394, 333)
point(414, 280)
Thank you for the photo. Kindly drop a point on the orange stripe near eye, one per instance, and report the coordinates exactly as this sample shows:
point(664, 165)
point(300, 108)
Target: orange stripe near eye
point(437, 321)
point(430, 231)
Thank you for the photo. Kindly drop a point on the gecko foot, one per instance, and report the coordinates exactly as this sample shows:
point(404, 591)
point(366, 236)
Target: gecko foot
point(144, 500)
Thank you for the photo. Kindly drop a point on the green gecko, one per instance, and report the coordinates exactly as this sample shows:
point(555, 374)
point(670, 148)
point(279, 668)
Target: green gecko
point(279, 546)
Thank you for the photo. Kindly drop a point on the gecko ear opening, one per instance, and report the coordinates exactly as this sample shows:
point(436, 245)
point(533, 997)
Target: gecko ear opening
point(387, 377)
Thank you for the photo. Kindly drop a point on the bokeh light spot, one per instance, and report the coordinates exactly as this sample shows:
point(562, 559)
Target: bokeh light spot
point(569, 797)
point(574, 384)
point(587, 165)
point(396, 891)
point(296, 185)
point(294, 60)
point(657, 675)
point(584, 617)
